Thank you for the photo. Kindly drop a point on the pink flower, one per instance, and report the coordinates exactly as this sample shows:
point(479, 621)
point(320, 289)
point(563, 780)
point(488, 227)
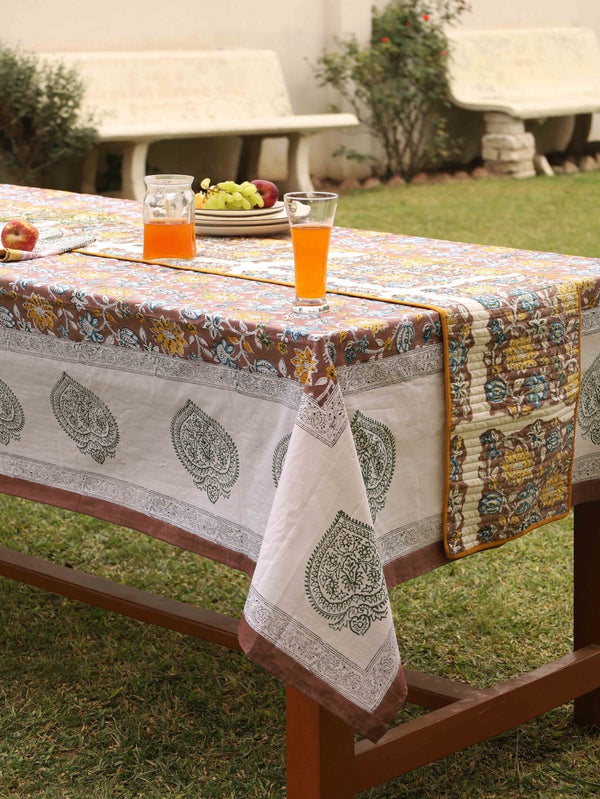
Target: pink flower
point(443, 53)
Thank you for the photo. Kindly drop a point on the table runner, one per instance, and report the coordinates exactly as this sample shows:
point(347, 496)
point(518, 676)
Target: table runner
point(338, 394)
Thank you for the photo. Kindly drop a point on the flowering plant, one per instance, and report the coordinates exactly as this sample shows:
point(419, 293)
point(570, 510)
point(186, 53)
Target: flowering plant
point(397, 85)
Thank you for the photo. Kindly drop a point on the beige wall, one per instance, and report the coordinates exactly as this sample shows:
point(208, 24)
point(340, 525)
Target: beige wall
point(542, 13)
point(298, 29)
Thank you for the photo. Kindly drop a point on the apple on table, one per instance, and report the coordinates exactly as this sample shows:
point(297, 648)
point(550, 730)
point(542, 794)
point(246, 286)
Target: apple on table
point(267, 190)
point(19, 234)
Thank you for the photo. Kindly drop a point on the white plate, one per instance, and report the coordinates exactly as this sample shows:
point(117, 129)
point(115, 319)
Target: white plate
point(250, 229)
point(202, 213)
point(232, 223)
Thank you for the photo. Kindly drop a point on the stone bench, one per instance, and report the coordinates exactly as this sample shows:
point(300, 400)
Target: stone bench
point(516, 75)
point(143, 97)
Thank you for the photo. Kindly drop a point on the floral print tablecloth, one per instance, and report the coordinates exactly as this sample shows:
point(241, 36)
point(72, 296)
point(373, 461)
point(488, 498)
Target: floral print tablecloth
point(435, 401)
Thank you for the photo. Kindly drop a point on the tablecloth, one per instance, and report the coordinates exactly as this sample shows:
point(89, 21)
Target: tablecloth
point(311, 453)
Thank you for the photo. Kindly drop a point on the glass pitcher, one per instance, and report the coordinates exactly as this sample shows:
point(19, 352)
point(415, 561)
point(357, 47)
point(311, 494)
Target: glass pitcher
point(169, 208)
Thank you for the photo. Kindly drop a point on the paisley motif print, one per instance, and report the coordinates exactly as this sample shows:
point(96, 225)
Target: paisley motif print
point(588, 412)
point(85, 419)
point(279, 457)
point(376, 452)
point(344, 579)
point(405, 337)
point(206, 451)
point(12, 418)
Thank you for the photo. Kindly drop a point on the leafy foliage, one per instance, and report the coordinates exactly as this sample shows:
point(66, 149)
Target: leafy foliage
point(397, 85)
point(40, 118)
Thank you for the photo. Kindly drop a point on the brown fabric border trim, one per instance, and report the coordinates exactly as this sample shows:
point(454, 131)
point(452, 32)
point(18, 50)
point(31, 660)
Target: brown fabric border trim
point(115, 514)
point(373, 726)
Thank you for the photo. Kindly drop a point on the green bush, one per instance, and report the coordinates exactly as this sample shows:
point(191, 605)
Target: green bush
point(40, 115)
point(397, 85)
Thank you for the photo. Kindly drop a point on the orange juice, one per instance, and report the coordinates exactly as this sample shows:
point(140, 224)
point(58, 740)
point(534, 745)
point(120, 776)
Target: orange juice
point(311, 244)
point(169, 238)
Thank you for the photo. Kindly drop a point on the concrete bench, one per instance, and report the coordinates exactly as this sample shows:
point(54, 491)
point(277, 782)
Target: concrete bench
point(516, 75)
point(144, 97)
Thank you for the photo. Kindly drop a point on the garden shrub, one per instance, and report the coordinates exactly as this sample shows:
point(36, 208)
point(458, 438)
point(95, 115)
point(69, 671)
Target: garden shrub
point(41, 122)
point(397, 85)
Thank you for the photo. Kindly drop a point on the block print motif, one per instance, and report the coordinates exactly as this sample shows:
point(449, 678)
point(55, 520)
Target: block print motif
point(344, 579)
point(12, 418)
point(405, 337)
point(279, 457)
point(365, 686)
point(524, 475)
point(85, 419)
point(514, 380)
point(588, 412)
point(532, 352)
point(206, 451)
point(457, 491)
point(461, 322)
point(376, 452)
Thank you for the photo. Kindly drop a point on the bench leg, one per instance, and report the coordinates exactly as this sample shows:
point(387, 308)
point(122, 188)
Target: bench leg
point(320, 751)
point(507, 149)
point(134, 170)
point(587, 597)
point(90, 168)
point(298, 177)
point(581, 132)
point(249, 158)
point(298, 171)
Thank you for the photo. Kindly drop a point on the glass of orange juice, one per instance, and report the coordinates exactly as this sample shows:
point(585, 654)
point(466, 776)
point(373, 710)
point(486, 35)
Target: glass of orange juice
point(310, 214)
point(169, 230)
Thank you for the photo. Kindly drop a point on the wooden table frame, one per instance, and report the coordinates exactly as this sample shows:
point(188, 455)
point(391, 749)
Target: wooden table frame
point(323, 760)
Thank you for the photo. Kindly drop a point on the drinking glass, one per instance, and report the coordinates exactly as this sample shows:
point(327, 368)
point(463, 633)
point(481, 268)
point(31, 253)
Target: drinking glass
point(169, 212)
point(310, 214)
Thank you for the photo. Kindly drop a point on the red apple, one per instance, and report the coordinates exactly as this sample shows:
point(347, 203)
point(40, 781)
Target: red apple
point(19, 234)
point(268, 191)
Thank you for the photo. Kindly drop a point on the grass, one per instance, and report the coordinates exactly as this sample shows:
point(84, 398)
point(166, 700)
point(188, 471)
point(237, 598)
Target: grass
point(553, 214)
point(96, 705)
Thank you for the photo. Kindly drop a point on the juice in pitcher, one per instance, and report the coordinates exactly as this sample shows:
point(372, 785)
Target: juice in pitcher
point(169, 238)
point(169, 217)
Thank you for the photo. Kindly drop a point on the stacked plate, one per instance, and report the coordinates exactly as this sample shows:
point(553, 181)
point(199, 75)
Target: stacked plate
point(255, 222)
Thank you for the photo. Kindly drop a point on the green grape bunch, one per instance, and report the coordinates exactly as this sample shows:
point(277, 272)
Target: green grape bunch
point(228, 196)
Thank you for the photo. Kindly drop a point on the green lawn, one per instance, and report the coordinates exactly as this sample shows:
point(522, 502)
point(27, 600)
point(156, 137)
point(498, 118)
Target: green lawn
point(96, 705)
point(557, 214)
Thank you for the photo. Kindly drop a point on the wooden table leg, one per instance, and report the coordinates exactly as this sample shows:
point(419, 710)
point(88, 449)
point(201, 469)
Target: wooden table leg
point(587, 597)
point(320, 751)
